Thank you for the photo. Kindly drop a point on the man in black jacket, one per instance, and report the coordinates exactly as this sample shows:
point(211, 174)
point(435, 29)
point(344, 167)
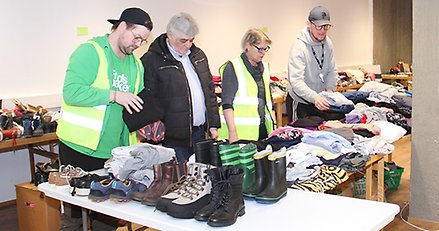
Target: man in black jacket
point(178, 75)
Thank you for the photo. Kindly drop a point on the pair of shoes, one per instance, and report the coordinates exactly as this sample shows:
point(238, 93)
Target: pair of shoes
point(189, 195)
point(111, 188)
point(165, 174)
point(81, 186)
point(43, 170)
point(61, 179)
point(226, 202)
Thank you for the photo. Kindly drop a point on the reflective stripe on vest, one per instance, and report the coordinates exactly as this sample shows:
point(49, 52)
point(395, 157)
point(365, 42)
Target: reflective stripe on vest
point(83, 125)
point(246, 102)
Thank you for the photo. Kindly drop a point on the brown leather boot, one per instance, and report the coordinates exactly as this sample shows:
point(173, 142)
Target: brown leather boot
point(180, 170)
point(166, 174)
point(138, 196)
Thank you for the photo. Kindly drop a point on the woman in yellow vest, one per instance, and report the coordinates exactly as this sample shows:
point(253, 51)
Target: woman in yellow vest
point(246, 99)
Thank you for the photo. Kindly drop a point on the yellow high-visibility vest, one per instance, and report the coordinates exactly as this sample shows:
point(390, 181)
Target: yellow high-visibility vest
point(245, 104)
point(83, 125)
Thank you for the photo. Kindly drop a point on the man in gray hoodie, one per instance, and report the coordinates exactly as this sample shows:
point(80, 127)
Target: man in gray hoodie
point(311, 66)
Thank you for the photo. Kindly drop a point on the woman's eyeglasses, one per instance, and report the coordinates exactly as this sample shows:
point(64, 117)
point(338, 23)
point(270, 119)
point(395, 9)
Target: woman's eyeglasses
point(262, 49)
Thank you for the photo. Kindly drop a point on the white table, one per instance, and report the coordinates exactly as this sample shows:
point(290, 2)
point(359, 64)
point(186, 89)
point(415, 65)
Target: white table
point(299, 210)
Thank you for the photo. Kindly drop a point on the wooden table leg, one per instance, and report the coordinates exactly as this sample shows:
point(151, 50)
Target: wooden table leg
point(389, 157)
point(31, 161)
point(380, 187)
point(278, 109)
point(369, 182)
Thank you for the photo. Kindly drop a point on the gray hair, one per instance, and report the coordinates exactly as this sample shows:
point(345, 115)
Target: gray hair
point(254, 36)
point(183, 23)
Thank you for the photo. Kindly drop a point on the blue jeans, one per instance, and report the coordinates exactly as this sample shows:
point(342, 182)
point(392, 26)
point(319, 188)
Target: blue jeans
point(183, 153)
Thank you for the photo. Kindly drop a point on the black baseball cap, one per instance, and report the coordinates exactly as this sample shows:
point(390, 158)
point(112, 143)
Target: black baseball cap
point(319, 15)
point(135, 16)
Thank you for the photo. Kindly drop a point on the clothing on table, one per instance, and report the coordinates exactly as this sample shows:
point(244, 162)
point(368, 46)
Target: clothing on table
point(328, 178)
point(139, 166)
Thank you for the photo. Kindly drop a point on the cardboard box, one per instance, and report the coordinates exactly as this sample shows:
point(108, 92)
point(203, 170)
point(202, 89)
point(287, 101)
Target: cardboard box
point(35, 211)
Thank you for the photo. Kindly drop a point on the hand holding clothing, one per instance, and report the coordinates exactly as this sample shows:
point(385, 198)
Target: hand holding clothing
point(321, 103)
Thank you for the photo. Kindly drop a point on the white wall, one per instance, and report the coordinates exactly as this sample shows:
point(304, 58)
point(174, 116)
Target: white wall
point(39, 36)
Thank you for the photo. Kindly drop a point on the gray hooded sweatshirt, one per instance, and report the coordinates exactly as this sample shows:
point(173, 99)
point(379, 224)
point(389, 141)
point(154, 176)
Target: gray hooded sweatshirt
point(306, 77)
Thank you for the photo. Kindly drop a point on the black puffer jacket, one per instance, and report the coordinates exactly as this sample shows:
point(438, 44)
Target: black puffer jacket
point(166, 78)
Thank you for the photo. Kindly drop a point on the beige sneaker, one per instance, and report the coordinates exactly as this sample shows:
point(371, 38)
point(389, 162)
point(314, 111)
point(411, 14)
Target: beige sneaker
point(64, 175)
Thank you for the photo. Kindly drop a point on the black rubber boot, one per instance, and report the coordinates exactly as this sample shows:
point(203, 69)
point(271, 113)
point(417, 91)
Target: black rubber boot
point(202, 151)
point(276, 187)
point(261, 172)
point(215, 159)
point(231, 203)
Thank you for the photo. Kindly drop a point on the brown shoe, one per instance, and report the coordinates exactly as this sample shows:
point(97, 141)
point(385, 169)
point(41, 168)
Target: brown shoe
point(165, 173)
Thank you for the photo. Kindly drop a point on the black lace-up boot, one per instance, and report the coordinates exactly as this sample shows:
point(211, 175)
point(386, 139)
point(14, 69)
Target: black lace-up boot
point(231, 203)
point(216, 176)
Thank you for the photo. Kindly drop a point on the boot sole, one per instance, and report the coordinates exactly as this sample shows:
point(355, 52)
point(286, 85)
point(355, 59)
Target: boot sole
point(215, 224)
point(266, 200)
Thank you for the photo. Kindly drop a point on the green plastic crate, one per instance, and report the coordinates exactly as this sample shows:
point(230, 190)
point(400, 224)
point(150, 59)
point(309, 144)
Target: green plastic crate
point(359, 188)
point(392, 178)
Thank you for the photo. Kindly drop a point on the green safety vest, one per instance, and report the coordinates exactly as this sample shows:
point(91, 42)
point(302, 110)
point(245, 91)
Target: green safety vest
point(245, 104)
point(83, 125)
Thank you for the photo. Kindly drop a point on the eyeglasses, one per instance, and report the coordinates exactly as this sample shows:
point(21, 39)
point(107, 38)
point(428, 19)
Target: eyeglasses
point(261, 49)
point(325, 27)
point(137, 38)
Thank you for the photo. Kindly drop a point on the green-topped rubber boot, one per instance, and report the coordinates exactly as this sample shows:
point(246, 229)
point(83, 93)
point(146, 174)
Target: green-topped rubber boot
point(276, 186)
point(229, 154)
point(246, 158)
point(261, 171)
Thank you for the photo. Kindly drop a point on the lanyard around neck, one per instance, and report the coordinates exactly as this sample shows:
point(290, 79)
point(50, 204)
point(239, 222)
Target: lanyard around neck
point(315, 56)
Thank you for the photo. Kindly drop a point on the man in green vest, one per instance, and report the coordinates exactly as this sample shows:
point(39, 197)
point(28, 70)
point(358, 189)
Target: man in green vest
point(103, 77)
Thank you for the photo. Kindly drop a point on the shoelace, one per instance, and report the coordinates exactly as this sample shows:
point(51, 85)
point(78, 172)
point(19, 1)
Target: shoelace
point(225, 188)
point(194, 189)
point(180, 186)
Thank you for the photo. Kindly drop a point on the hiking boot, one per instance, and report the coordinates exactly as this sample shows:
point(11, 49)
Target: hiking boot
point(175, 190)
point(195, 197)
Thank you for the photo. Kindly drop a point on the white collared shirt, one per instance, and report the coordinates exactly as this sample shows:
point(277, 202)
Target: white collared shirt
point(197, 96)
